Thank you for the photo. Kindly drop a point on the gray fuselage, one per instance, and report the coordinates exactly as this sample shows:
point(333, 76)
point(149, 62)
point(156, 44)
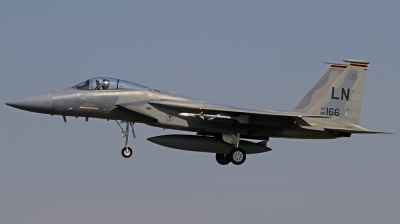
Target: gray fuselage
point(133, 105)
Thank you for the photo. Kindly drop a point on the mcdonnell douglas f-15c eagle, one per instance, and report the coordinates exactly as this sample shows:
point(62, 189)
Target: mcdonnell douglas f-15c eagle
point(331, 109)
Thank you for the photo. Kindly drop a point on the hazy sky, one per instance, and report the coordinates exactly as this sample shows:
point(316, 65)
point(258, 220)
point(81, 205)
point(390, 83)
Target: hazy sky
point(245, 53)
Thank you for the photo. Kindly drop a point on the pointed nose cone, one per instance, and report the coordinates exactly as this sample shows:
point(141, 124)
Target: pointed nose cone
point(39, 103)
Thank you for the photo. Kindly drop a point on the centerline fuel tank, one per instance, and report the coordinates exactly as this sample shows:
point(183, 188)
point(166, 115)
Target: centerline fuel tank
point(206, 144)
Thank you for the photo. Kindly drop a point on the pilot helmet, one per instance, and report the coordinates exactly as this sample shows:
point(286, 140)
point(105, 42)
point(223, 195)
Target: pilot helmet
point(106, 83)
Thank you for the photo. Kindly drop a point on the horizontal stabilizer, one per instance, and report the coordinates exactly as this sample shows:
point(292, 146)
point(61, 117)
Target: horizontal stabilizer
point(354, 128)
point(356, 131)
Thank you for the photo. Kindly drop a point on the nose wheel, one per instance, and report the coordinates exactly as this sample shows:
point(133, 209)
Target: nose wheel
point(126, 151)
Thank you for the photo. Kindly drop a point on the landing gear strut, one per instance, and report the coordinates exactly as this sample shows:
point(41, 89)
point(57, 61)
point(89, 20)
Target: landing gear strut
point(126, 151)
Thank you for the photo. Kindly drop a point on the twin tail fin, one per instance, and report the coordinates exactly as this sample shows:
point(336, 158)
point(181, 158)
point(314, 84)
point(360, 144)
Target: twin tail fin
point(338, 93)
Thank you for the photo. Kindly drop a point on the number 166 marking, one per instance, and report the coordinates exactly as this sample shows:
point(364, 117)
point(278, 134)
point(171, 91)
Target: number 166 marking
point(330, 111)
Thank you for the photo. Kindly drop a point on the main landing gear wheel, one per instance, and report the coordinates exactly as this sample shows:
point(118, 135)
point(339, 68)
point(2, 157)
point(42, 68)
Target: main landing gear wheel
point(126, 152)
point(237, 156)
point(222, 159)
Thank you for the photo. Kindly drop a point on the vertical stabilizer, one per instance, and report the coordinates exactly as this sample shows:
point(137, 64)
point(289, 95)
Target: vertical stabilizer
point(338, 93)
point(321, 87)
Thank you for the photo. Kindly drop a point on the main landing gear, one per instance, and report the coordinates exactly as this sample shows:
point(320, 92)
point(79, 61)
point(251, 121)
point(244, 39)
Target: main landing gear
point(237, 156)
point(222, 159)
point(126, 151)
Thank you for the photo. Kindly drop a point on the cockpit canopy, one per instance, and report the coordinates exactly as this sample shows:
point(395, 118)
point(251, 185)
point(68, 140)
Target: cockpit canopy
point(105, 83)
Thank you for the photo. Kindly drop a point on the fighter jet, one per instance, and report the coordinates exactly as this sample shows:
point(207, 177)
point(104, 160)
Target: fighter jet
point(331, 109)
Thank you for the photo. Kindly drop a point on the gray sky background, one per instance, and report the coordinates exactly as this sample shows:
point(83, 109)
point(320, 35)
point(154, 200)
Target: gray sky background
point(255, 54)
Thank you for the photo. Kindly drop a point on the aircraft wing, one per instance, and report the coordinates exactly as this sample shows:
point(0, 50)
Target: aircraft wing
point(187, 107)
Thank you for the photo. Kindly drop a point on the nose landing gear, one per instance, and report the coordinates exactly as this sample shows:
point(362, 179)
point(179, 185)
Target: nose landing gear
point(126, 151)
